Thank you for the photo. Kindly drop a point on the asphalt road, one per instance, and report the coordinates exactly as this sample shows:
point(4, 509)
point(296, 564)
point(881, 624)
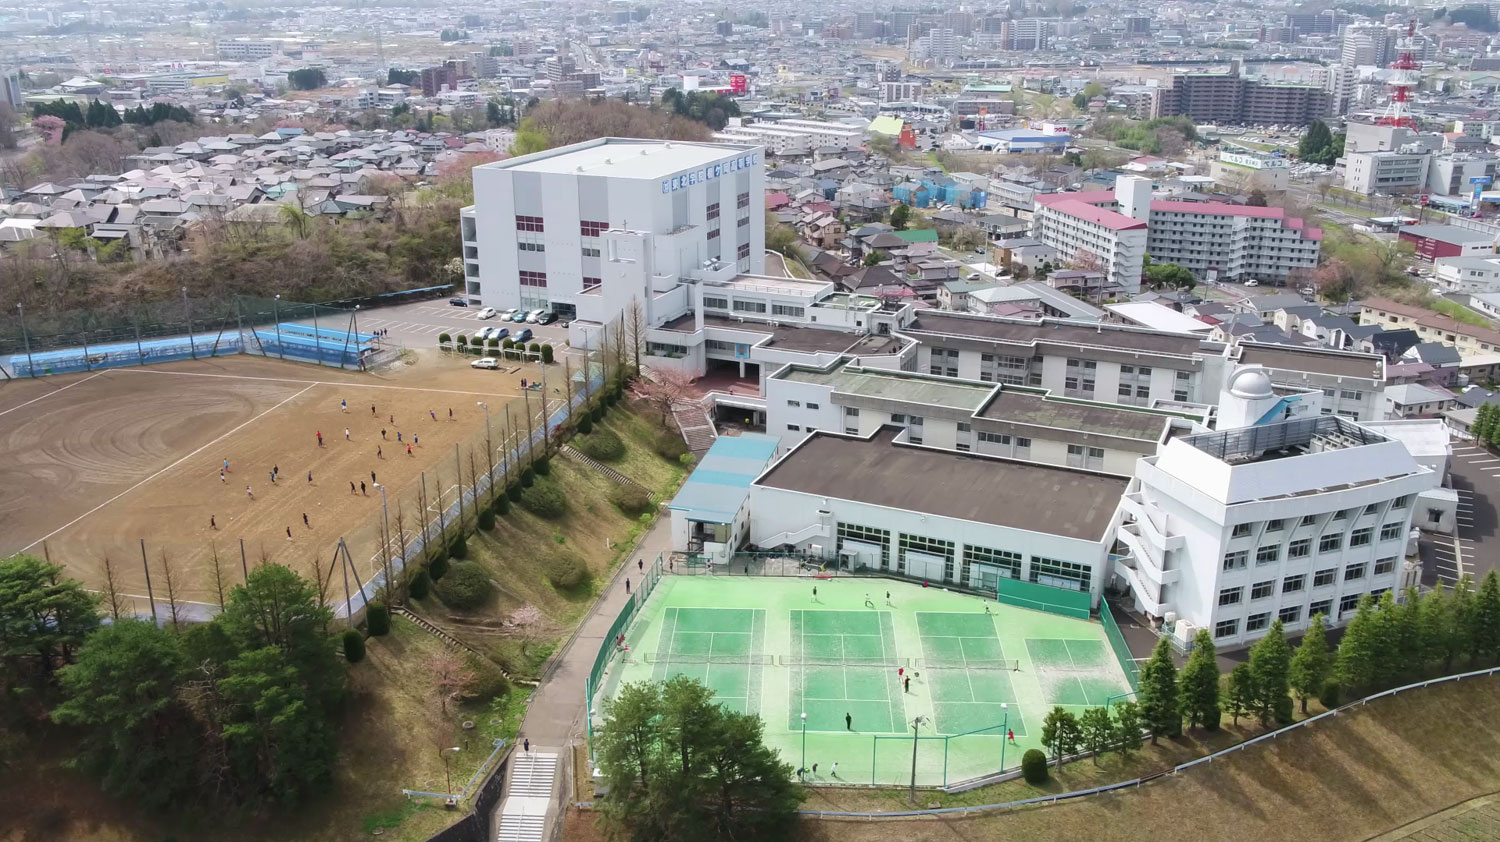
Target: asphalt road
point(418, 324)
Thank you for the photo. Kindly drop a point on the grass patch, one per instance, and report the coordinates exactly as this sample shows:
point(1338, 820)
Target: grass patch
point(1459, 313)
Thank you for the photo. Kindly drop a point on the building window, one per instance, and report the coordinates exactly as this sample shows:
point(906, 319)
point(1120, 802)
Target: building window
point(1256, 622)
point(1390, 532)
point(787, 310)
point(592, 282)
point(1341, 514)
point(1262, 590)
point(1351, 395)
point(867, 535)
point(744, 251)
point(994, 438)
point(1056, 573)
point(1354, 571)
point(1227, 628)
point(1300, 548)
point(1325, 577)
point(1384, 565)
point(1268, 555)
point(851, 412)
point(1401, 502)
point(714, 303)
point(1292, 584)
point(1331, 543)
point(1236, 560)
point(526, 246)
point(898, 418)
point(794, 428)
point(532, 279)
point(811, 405)
point(1007, 564)
point(713, 211)
point(1091, 458)
point(749, 306)
point(1361, 537)
point(1231, 596)
point(794, 403)
point(1240, 530)
point(926, 546)
point(1348, 604)
point(742, 200)
point(1322, 606)
point(529, 223)
point(1275, 525)
point(1290, 614)
point(743, 222)
point(1023, 447)
point(713, 234)
point(592, 229)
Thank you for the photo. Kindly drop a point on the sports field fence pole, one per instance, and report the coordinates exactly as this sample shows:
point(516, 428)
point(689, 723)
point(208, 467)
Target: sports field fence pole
point(348, 602)
point(84, 335)
point(140, 353)
point(150, 596)
point(187, 315)
point(26, 339)
point(458, 468)
point(276, 317)
point(353, 329)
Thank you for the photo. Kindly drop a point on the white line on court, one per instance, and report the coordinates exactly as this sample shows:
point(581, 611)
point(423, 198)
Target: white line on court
point(164, 470)
point(53, 392)
point(311, 383)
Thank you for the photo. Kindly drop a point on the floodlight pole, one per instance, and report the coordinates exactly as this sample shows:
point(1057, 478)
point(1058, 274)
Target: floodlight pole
point(276, 317)
point(1006, 728)
point(804, 743)
point(26, 338)
point(915, 723)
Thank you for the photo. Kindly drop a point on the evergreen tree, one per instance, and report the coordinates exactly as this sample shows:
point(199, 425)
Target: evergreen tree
point(1158, 693)
point(1312, 664)
point(1410, 644)
point(1437, 626)
point(1484, 421)
point(1462, 600)
point(1061, 733)
point(1098, 731)
point(1387, 658)
point(1359, 649)
point(1240, 696)
point(44, 618)
point(1198, 683)
point(1128, 727)
point(1270, 663)
point(1484, 643)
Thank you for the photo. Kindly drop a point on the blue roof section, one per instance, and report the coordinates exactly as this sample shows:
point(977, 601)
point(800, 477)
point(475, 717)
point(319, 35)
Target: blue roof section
point(719, 486)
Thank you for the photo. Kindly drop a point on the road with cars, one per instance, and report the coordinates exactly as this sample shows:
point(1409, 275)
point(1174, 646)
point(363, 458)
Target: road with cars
point(418, 324)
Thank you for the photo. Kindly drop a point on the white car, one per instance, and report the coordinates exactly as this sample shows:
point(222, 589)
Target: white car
point(534, 315)
point(487, 313)
point(486, 362)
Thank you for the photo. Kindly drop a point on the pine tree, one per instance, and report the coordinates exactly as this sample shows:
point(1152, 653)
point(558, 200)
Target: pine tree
point(1270, 663)
point(1387, 657)
point(1061, 733)
point(1198, 684)
point(1158, 693)
point(1128, 727)
point(1484, 644)
point(1462, 600)
point(1311, 664)
point(1484, 420)
point(1240, 695)
point(1359, 649)
point(1098, 731)
point(1409, 638)
point(1437, 627)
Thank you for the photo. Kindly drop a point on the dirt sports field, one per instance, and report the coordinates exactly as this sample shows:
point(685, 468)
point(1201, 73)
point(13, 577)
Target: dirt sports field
point(93, 463)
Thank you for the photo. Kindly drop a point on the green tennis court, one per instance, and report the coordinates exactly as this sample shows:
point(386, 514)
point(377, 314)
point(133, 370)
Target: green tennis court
point(769, 646)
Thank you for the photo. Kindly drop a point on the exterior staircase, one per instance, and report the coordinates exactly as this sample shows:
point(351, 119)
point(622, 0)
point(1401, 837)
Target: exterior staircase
point(697, 430)
point(528, 797)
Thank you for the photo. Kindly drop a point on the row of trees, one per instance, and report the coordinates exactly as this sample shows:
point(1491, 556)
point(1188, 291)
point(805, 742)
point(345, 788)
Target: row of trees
point(1162, 135)
point(1096, 731)
point(1319, 145)
point(1486, 427)
point(307, 79)
point(1386, 644)
point(714, 110)
point(241, 711)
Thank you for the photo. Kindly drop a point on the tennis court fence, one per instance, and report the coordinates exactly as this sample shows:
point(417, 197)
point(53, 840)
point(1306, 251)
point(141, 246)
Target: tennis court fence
point(813, 661)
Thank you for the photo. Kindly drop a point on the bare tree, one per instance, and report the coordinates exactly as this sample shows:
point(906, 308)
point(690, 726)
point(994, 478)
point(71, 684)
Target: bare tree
point(111, 590)
point(663, 390)
point(442, 540)
point(169, 580)
point(400, 548)
point(637, 327)
point(322, 580)
point(528, 621)
point(451, 677)
point(218, 571)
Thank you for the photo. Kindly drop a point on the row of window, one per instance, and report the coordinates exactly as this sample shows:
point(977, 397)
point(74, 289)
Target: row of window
point(1348, 604)
point(590, 228)
point(533, 279)
point(1302, 547)
point(1322, 578)
point(529, 246)
point(530, 223)
point(1052, 572)
point(810, 405)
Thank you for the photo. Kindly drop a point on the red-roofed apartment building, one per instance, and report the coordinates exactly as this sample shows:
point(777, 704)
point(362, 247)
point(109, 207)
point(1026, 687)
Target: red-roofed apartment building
point(1213, 240)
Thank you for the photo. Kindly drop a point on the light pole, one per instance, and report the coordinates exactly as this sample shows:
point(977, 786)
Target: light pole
point(448, 773)
point(804, 746)
point(26, 338)
point(276, 317)
point(915, 723)
point(1006, 728)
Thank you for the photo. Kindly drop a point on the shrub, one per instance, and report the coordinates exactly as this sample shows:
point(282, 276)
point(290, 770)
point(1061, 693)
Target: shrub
point(536, 348)
point(508, 344)
point(632, 499)
point(458, 548)
point(489, 681)
point(462, 340)
point(669, 445)
point(437, 552)
point(566, 571)
point(547, 354)
point(597, 413)
point(545, 499)
point(543, 466)
point(528, 476)
point(514, 492)
point(1330, 697)
point(354, 646)
point(502, 505)
point(493, 343)
point(438, 568)
point(444, 338)
point(378, 619)
point(585, 423)
point(1034, 767)
point(466, 586)
point(421, 585)
point(603, 445)
point(486, 519)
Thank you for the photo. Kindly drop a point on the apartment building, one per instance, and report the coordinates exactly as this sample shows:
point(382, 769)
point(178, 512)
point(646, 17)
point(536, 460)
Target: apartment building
point(1233, 529)
point(1229, 99)
point(535, 235)
point(1469, 340)
point(1386, 171)
point(1467, 274)
point(1086, 227)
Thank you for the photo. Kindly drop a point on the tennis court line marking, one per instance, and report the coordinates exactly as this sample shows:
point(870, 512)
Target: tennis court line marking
point(153, 476)
point(346, 383)
point(53, 392)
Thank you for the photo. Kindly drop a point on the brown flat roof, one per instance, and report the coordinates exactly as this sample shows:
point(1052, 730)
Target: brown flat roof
point(1048, 330)
point(791, 338)
point(1030, 408)
point(968, 486)
point(1337, 363)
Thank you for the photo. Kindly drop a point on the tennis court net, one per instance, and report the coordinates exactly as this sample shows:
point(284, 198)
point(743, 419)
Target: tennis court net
point(968, 664)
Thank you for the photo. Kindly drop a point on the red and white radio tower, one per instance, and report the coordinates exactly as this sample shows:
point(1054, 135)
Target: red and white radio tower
point(1403, 80)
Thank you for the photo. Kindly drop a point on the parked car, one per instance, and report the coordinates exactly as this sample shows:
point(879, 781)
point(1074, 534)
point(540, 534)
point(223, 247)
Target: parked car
point(458, 302)
point(523, 336)
point(547, 318)
point(487, 313)
point(507, 314)
point(533, 316)
point(519, 316)
point(500, 332)
point(485, 362)
point(483, 334)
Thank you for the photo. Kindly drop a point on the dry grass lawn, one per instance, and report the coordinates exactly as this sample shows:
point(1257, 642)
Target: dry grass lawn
point(1357, 776)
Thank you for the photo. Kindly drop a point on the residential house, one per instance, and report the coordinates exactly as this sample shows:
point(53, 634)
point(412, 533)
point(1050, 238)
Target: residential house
point(1414, 400)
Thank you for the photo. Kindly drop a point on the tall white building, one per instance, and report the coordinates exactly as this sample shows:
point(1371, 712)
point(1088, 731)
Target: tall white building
point(537, 235)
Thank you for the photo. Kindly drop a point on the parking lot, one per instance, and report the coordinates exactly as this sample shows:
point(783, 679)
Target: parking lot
point(1475, 474)
point(418, 325)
